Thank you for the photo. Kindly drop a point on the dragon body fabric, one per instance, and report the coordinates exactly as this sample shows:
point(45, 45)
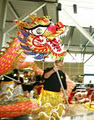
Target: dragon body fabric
point(38, 38)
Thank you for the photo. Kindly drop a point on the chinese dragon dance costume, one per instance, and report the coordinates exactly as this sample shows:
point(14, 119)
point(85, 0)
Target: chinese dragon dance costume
point(38, 38)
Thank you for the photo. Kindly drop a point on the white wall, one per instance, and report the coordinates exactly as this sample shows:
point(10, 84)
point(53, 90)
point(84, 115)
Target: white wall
point(89, 69)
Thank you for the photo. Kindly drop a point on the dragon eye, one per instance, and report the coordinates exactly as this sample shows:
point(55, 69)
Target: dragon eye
point(39, 30)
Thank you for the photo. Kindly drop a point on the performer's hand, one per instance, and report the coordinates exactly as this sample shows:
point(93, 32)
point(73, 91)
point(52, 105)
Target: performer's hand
point(26, 94)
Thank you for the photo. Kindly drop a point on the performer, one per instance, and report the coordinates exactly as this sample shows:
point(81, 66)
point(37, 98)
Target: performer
point(16, 76)
point(52, 106)
point(38, 85)
point(32, 85)
point(7, 86)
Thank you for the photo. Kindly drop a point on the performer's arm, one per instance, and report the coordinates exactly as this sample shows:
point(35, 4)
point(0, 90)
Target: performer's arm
point(48, 74)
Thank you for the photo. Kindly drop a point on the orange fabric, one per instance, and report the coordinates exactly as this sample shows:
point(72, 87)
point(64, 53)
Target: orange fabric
point(21, 108)
point(70, 85)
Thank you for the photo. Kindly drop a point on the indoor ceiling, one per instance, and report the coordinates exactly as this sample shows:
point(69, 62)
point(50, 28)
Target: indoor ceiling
point(78, 14)
point(80, 35)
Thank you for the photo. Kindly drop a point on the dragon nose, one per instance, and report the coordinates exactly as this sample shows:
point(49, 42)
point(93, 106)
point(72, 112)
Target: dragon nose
point(59, 25)
point(52, 29)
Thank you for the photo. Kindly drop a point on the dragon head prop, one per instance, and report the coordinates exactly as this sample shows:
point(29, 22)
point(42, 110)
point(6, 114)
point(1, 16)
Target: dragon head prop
point(38, 38)
point(42, 37)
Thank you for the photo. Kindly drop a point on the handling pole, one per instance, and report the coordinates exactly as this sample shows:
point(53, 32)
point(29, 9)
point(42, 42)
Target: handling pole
point(12, 79)
point(62, 87)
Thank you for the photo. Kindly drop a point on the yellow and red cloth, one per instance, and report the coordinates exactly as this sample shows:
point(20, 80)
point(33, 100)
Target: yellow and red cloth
point(52, 106)
point(19, 108)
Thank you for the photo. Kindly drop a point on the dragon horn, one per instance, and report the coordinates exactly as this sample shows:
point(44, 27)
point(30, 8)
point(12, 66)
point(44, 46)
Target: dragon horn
point(15, 21)
point(13, 38)
point(6, 48)
point(33, 17)
point(9, 43)
point(2, 52)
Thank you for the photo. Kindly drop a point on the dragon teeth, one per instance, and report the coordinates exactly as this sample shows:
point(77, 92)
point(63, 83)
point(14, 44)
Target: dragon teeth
point(57, 39)
point(41, 37)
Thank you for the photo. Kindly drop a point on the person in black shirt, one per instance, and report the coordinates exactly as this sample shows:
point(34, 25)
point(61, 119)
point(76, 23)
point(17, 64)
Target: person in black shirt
point(7, 87)
point(28, 87)
point(16, 76)
point(52, 82)
point(51, 91)
point(38, 85)
point(51, 79)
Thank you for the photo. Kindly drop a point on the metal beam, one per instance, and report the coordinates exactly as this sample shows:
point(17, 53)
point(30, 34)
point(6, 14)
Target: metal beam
point(2, 38)
point(13, 10)
point(77, 46)
point(45, 10)
point(79, 52)
point(48, 1)
point(83, 31)
point(3, 15)
point(2, 20)
point(70, 38)
point(24, 17)
point(9, 21)
point(87, 43)
point(89, 58)
point(72, 56)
